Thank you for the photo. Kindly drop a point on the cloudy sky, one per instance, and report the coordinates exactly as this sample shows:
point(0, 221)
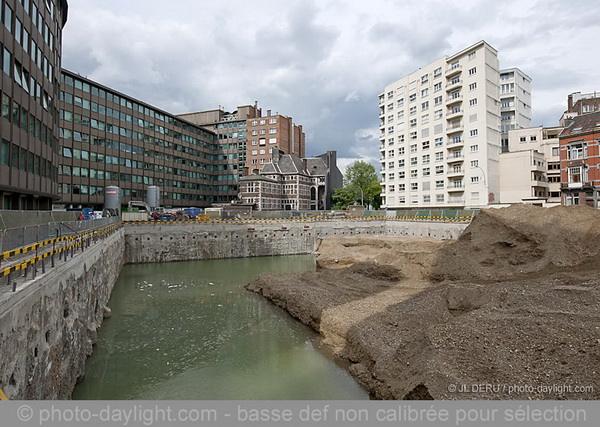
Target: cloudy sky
point(323, 62)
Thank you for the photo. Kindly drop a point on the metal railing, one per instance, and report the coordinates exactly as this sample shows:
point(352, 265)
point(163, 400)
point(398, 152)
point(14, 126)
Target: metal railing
point(17, 237)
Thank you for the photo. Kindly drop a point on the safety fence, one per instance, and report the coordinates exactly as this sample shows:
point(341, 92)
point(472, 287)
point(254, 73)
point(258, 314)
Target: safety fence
point(52, 250)
point(431, 216)
point(19, 237)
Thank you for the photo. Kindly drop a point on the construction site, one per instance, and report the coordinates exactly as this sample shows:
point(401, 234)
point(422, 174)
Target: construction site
point(509, 310)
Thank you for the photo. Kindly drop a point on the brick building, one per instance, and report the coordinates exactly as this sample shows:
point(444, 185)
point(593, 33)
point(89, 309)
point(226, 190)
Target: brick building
point(288, 182)
point(580, 160)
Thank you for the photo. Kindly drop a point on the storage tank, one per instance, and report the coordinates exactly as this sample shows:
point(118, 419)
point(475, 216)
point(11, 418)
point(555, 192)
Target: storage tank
point(112, 200)
point(153, 196)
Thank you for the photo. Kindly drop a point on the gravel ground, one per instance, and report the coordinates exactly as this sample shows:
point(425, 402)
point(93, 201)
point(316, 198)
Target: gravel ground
point(511, 310)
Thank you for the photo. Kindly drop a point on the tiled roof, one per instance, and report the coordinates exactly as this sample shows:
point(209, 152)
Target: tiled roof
point(585, 123)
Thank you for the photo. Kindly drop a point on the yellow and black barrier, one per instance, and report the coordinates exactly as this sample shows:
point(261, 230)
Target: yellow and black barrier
point(78, 240)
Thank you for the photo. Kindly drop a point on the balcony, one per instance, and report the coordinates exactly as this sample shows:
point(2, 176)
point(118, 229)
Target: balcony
point(455, 157)
point(454, 99)
point(454, 84)
point(455, 172)
point(455, 143)
point(453, 188)
point(453, 70)
point(454, 128)
point(454, 113)
point(543, 184)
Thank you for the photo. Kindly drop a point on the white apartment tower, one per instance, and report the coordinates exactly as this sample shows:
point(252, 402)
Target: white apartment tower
point(515, 102)
point(440, 133)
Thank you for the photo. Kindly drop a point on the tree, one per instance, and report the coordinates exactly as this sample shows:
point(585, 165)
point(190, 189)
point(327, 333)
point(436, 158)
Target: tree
point(361, 185)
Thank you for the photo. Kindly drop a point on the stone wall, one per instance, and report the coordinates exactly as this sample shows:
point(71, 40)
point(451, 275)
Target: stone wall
point(48, 327)
point(179, 242)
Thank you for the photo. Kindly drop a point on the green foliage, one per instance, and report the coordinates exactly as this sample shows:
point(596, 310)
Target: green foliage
point(361, 185)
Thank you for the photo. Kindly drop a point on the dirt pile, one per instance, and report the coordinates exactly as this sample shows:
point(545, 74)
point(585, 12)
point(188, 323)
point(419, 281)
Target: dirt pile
point(505, 243)
point(512, 304)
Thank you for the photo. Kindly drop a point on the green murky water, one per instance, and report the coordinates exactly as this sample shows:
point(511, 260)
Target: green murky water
point(188, 330)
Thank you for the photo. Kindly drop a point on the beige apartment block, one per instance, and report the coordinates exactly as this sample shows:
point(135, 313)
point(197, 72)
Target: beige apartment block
point(530, 168)
point(440, 133)
point(515, 102)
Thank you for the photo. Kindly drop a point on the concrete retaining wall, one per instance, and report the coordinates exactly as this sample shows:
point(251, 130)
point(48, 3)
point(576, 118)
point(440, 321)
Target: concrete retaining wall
point(48, 326)
point(178, 242)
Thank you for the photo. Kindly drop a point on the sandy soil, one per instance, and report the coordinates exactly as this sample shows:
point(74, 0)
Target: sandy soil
point(510, 310)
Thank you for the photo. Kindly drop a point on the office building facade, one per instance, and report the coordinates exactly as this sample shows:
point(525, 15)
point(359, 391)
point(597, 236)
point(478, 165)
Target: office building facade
point(440, 133)
point(30, 53)
point(108, 138)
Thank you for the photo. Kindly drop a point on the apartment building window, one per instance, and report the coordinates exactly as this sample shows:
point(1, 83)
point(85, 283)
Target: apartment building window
point(390, 118)
point(391, 188)
point(425, 145)
point(401, 175)
point(390, 106)
point(555, 151)
point(413, 123)
point(390, 94)
point(426, 159)
point(424, 105)
point(474, 179)
point(262, 122)
point(439, 170)
point(426, 198)
point(261, 151)
point(391, 177)
point(437, 72)
point(254, 142)
point(262, 131)
point(391, 141)
point(413, 135)
point(391, 129)
point(439, 156)
point(262, 141)
point(426, 172)
point(413, 148)
point(401, 187)
point(272, 140)
point(437, 114)
point(413, 161)
point(424, 121)
point(576, 174)
point(413, 110)
point(455, 94)
point(391, 165)
point(474, 163)
point(473, 102)
point(439, 142)
point(391, 153)
point(412, 97)
point(473, 86)
point(414, 186)
point(254, 152)
point(472, 71)
point(401, 114)
point(533, 138)
point(254, 132)
point(272, 120)
point(425, 78)
point(437, 100)
point(474, 148)
point(439, 198)
point(414, 173)
point(424, 92)
point(400, 102)
point(400, 139)
point(439, 184)
point(401, 151)
point(472, 55)
point(474, 132)
point(523, 139)
point(272, 130)
point(401, 163)
point(577, 151)
point(437, 87)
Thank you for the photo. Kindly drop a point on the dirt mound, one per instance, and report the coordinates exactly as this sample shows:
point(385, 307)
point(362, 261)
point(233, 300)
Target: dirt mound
point(514, 307)
point(505, 243)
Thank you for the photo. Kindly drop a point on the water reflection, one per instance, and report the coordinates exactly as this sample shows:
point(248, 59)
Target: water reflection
point(189, 330)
